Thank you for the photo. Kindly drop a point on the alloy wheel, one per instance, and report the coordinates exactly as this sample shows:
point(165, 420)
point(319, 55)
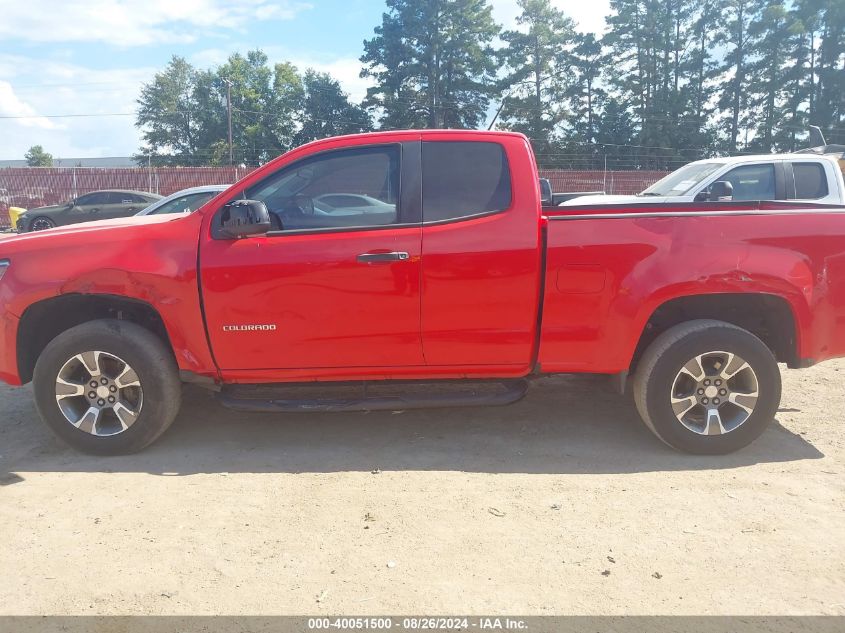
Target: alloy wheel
point(714, 393)
point(41, 224)
point(99, 393)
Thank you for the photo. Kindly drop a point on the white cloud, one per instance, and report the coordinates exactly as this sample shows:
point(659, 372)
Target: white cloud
point(136, 22)
point(589, 15)
point(209, 57)
point(12, 106)
point(33, 88)
point(64, 88)
point(346, 70)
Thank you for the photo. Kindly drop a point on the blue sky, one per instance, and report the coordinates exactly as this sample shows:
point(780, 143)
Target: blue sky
point(90, 57)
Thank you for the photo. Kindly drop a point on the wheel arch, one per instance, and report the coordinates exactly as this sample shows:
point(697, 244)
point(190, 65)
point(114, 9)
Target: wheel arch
point(770, 317)
point(44, 320)
point(42, 216)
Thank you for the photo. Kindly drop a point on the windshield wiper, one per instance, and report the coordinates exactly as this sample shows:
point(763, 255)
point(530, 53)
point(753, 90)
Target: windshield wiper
point(649, 193)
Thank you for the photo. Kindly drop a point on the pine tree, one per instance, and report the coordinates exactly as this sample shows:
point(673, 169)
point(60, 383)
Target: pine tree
point(829, 108)
point(585, 92)
point(771, 31)
point(650, 43)
point(616, 135)
point(433, 63)
point(538, 64)
point(734, 98)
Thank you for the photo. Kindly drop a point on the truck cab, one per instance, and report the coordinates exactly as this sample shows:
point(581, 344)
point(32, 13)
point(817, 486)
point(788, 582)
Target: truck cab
point(795, 177)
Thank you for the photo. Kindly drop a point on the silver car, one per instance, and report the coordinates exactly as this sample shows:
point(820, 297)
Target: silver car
point(184, 201)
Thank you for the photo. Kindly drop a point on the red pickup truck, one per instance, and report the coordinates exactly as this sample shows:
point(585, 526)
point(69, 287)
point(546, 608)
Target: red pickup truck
point(418, 268)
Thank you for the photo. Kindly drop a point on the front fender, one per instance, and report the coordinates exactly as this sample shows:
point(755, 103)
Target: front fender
point(152, 262)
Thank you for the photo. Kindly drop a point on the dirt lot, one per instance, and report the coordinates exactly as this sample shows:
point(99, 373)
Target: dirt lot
point(562, 504)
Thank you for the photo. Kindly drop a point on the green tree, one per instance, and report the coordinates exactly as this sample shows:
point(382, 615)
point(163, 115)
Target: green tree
point(703, 68)
point(616, 135)
point(184, 119)
point(802, 73)
point(771, 31)
point(734, 96)
point(537, 62)
point(585, 92)
point(432, 62)
point(327, 111)
point(36, 157)
point(265, 103)
point(651, 45)
point(829, 103)
point(167, 113)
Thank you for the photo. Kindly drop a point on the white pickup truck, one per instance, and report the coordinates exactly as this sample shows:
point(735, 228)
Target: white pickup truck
point(810, 177)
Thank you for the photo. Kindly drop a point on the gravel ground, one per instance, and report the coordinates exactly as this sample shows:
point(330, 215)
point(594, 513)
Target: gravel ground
point(561, 504)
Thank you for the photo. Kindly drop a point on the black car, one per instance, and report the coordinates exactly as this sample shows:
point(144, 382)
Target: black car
point(97, 205)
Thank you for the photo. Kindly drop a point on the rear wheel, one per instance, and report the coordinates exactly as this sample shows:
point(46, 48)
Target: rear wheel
point(41, 224)
point(707, 387)
point(107, 387)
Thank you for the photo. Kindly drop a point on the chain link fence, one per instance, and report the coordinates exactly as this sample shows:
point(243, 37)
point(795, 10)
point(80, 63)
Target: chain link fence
point(30, 187)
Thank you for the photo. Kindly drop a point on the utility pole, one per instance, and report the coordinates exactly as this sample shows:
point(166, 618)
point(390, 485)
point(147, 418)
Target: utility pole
point(229, 115)
point(604, 186)
point(498, 112)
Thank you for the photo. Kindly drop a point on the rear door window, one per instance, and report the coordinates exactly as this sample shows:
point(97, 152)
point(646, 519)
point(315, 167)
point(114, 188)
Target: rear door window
point(463, 179)
point(810, 181)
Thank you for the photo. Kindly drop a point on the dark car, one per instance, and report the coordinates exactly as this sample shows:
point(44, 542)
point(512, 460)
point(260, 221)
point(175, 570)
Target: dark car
point(97, 205)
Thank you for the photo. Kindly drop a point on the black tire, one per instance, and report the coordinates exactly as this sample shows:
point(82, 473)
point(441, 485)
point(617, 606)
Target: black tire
point(664, 358)
point(41, 223)
point(151, 360)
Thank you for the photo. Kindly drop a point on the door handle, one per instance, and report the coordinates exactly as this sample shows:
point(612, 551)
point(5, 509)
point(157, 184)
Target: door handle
point(376, 258)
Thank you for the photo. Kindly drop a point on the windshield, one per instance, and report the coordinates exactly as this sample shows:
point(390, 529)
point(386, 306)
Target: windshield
point(681, 181)
point(182, 204)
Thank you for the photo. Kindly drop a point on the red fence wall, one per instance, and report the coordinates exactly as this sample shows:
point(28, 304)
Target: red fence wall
point(31, 187)
point(617, 182)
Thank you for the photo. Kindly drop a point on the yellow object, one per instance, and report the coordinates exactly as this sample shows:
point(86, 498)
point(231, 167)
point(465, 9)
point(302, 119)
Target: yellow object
point(14, 214)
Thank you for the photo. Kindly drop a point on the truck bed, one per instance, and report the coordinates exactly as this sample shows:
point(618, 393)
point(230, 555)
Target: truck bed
point(609, 269)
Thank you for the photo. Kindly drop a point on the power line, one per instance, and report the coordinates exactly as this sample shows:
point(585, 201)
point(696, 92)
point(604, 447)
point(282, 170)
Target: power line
point(74, 85)
point(66, 116)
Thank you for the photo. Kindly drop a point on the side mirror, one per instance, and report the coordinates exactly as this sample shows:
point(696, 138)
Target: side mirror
point(721, 190)
point(546, 196)
point(71, 203)
point(242, 218)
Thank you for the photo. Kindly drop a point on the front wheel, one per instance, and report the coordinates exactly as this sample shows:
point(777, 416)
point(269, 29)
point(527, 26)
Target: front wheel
point(107, 387)
point(41, 224)
point(707, 387)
